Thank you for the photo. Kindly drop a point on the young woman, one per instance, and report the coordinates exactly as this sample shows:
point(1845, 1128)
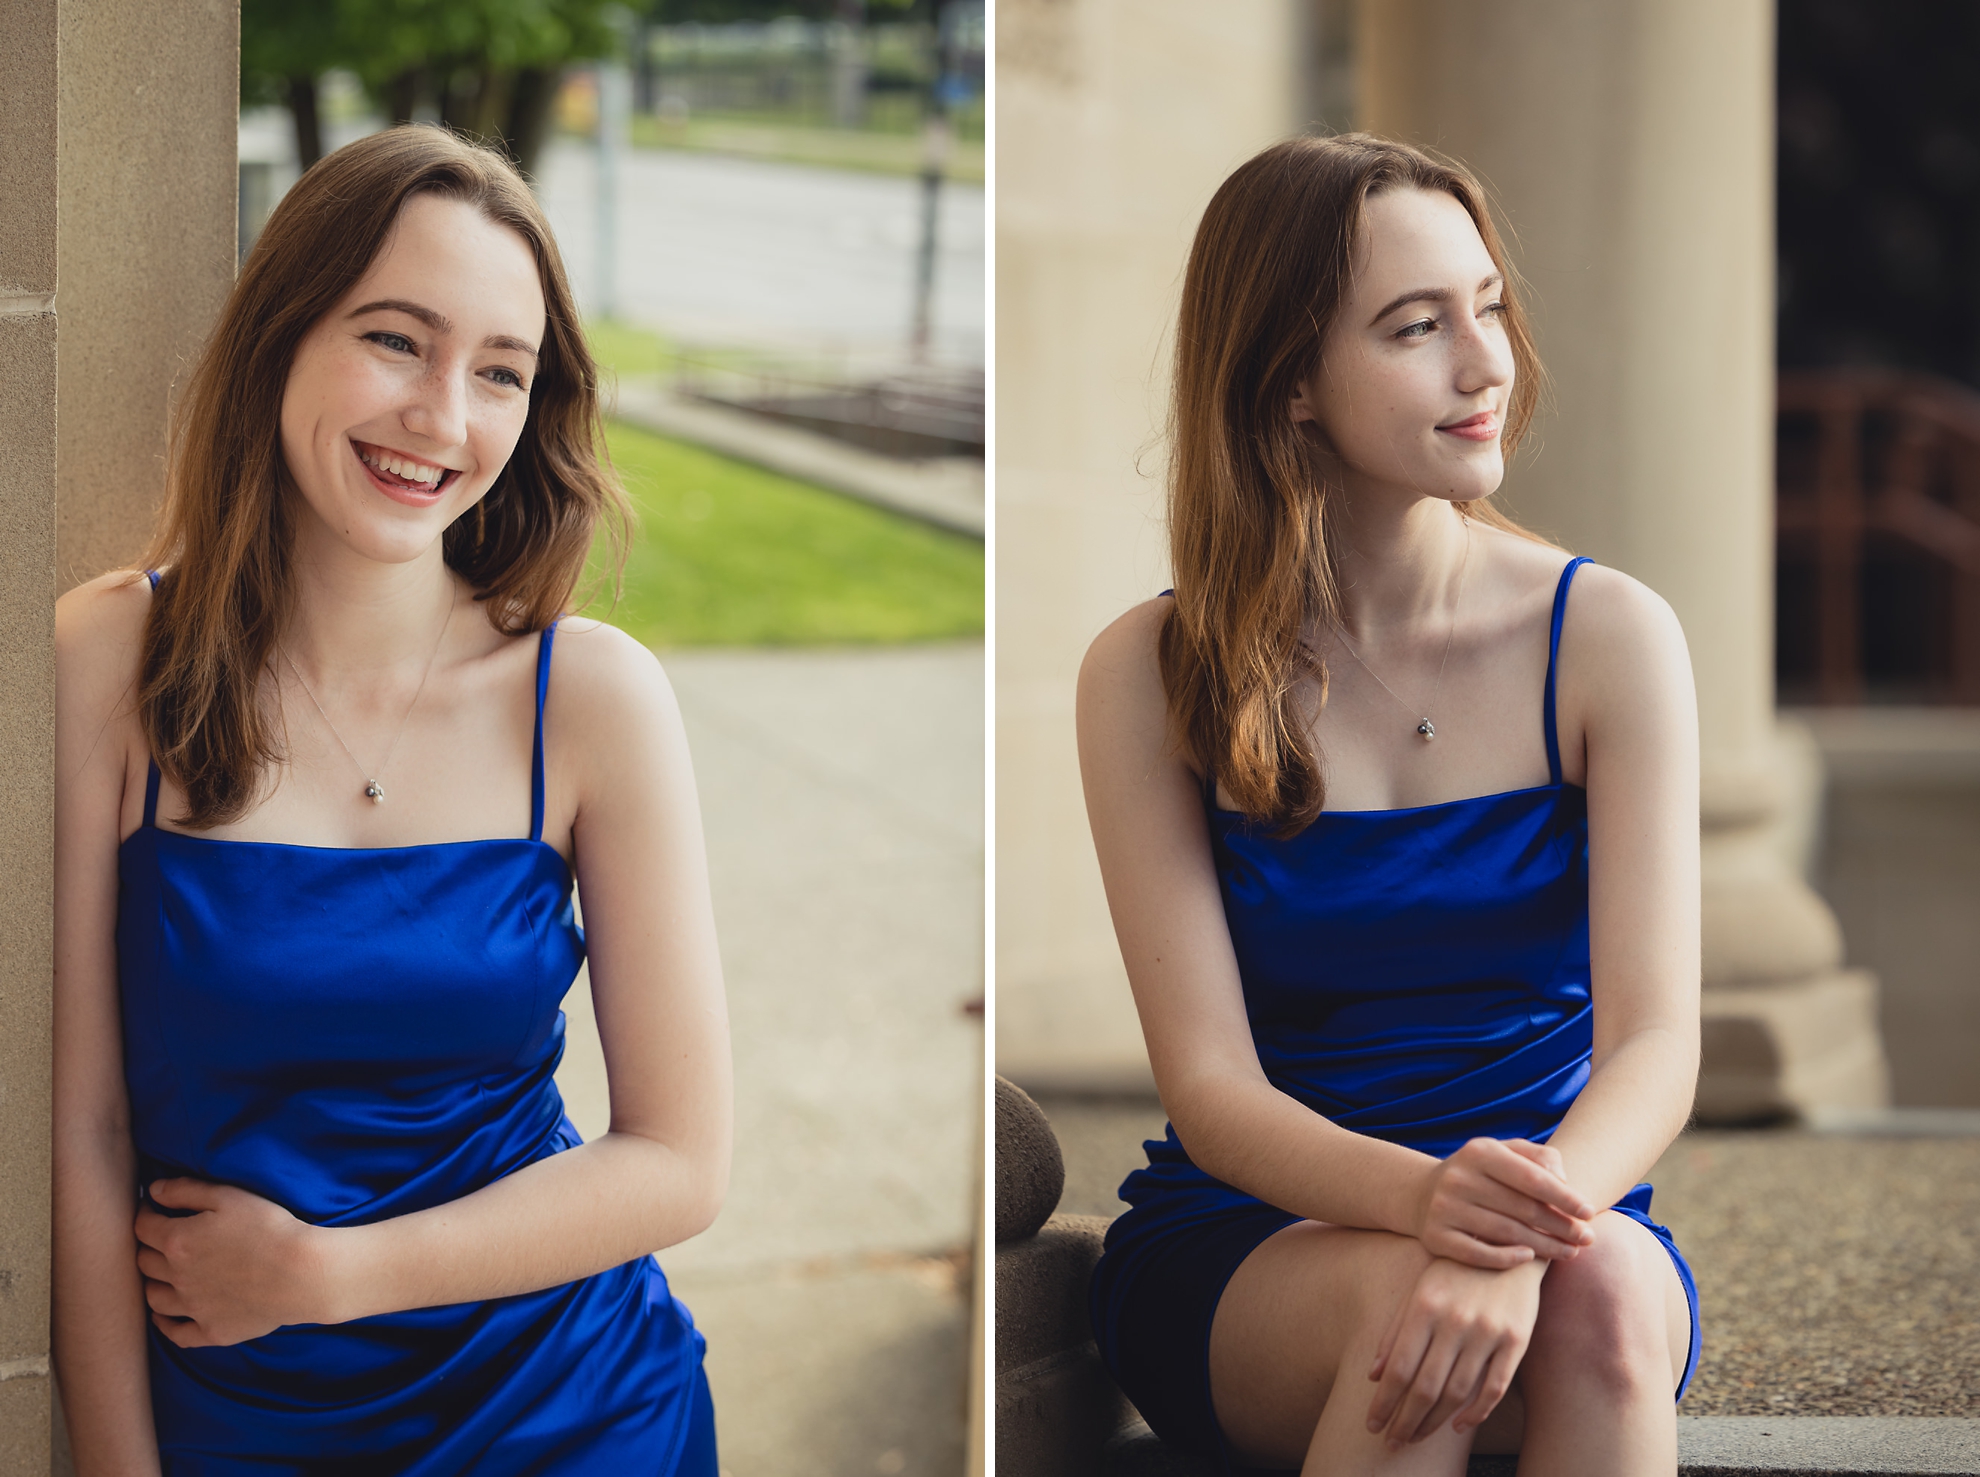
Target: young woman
point(321, 803)
point(1397, 812)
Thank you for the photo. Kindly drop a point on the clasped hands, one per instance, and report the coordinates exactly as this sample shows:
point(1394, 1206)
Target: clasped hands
point(1492, 1216)
point(238, 1268)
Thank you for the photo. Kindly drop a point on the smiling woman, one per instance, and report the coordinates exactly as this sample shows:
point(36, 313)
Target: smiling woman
point(320, 812)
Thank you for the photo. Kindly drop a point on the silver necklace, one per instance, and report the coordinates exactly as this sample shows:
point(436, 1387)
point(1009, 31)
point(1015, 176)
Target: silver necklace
point(1424, 726)
point(373, 791)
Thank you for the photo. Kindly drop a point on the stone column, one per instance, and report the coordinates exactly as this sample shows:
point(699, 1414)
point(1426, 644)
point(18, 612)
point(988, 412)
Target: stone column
point(27, 715)
point(1629, 147)
point(117, 169)
point(1116, 120)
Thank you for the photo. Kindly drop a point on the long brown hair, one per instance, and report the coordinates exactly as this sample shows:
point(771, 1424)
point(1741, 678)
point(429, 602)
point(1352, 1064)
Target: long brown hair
point(1248, 501)
point(225, 533)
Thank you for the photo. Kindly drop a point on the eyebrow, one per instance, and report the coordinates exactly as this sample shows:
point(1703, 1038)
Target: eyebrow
point(1431, 295)
point(440, 323)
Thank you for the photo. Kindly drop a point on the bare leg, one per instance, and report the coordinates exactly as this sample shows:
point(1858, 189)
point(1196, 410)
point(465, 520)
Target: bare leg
point(1608, 1350)
point(1294, 1338)
point(1297, 1329)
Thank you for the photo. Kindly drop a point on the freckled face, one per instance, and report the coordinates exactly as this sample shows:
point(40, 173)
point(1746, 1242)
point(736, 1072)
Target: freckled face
point(1416, 371)
point(406, 399)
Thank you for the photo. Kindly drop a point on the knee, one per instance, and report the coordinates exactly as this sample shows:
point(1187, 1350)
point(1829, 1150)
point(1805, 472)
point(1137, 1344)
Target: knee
point(1601, 1320)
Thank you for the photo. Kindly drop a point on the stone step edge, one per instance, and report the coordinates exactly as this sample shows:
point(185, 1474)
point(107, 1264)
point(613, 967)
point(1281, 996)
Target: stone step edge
point(1708, 1446)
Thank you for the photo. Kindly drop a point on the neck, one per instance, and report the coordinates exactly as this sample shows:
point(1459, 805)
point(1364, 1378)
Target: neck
point(354, 615)
point(1398, 560)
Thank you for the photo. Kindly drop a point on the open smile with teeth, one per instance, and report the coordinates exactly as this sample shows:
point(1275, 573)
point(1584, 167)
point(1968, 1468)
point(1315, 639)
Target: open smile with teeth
point(402, 471)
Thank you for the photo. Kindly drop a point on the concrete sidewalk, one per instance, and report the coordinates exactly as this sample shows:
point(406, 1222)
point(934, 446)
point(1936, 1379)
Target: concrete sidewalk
point(843, 796)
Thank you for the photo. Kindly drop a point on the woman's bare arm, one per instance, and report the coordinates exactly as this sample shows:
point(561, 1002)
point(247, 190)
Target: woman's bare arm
point(1627, 678)
point(1146, 810)
point(99, 1313)
point(656, 1178)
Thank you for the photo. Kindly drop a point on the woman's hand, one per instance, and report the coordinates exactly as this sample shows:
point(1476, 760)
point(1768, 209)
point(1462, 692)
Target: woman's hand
point(239, 1268)
point(1498, 1203)
point(1452, 1349)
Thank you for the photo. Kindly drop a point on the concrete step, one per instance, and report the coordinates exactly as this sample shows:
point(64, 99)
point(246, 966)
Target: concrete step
point(1708, 1446)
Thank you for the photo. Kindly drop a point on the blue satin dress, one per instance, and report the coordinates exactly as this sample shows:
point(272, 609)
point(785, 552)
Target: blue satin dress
point(1418, 975)
point(356, 1035)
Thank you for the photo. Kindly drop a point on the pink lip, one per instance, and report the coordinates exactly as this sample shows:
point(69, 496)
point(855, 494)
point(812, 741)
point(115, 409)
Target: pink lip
point(1483, 426)
point(405, 495)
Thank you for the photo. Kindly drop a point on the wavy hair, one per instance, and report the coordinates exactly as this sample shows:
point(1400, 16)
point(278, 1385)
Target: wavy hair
point(1249, 504)
point(225, 534)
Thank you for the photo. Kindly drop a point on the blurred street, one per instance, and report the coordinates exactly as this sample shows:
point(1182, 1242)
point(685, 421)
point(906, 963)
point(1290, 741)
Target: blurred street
point(743, 253)
point(842, 793)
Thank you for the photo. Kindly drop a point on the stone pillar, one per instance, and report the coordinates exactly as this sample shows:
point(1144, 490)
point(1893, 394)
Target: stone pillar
point(1629, 147)
point(149, 144)
point(27, 715)
point(117, 160)
point(1116, 120)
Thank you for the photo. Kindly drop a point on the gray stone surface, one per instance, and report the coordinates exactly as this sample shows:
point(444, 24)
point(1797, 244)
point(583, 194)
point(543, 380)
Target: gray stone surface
point(1826, 1446)
point(842, 792)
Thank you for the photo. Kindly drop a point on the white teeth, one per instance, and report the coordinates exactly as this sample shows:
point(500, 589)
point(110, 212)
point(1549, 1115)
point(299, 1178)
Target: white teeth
point(400, 467)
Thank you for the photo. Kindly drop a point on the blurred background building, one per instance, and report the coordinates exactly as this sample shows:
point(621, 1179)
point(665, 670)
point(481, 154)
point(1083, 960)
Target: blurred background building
point(773, 215)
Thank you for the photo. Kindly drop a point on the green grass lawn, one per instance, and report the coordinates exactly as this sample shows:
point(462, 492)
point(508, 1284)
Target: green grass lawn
point(869, 151)
point(729, 555)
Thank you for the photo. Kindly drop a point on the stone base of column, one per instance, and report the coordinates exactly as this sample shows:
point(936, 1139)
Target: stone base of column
point(1791, 1049)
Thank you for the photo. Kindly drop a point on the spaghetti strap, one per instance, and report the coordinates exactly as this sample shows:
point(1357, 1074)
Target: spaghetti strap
point(1553, 656)
point(151, 765)
point(536, 758)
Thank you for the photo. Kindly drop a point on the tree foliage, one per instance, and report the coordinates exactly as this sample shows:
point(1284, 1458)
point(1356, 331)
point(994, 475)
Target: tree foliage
point(489, 68)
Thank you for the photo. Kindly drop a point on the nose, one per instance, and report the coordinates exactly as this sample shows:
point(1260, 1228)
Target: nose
point(1484, 355)
point(437, 409)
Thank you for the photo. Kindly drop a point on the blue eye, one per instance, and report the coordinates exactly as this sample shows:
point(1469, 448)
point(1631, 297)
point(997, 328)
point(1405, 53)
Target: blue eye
point(514, 380)
point(398, 343)
point(1419, 329)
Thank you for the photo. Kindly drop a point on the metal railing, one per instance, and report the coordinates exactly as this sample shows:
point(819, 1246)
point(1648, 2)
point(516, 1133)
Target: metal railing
point(1878, 529)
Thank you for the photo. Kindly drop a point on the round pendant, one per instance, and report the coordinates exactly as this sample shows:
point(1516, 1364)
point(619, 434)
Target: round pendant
point(1427, 729)
point(373, 792)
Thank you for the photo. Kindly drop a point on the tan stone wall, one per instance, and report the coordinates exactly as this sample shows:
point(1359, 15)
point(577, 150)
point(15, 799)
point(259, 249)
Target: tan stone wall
point(149, 129)
point(1116, 119)
point(117, 156)
point(27, 700)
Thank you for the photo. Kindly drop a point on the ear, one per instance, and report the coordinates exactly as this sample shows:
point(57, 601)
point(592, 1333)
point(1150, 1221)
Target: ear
point(1301, 410)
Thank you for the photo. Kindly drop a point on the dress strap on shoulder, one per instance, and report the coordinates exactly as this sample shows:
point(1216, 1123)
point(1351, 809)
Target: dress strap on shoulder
point(1553, 658)
point(543, 644)
point(151, 765)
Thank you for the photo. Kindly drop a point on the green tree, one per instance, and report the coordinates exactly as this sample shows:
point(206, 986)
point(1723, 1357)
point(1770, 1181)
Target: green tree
point(489, 68)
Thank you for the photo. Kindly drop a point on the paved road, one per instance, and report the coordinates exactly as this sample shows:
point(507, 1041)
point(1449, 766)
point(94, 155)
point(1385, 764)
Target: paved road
point(743, 253)
point(779, 256)
point(843, 796)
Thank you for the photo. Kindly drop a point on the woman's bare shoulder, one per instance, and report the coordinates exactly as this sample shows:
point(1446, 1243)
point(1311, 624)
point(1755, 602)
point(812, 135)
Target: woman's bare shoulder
point(1121, 694)
point(99, 627)
point(1126, 650)
point(606, 682)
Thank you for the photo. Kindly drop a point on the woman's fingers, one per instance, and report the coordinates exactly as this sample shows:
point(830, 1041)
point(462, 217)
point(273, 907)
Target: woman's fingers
point(1495, 1228)
point(1491, 1390)
point(1433, 1372)
point(1460, 1386)
point(163, 1297)
point(1411, 1339)
point(186, 1194)
point(1458, 1245)
point(1537, 1179)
